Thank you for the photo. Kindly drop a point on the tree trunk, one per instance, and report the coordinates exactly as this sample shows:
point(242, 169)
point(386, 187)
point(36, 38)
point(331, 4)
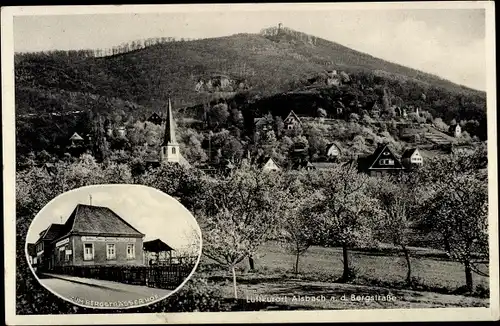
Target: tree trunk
point(408, 264)
point(297, 263)
point(251, 263)
point(469, 284)
point(345, 255)
point(446, 244)
point(234, 282)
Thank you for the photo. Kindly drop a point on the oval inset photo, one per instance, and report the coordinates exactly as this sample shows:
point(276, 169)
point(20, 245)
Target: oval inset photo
point(113, 246)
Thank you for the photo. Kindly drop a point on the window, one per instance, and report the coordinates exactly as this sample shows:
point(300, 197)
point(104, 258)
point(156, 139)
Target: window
point(386, 161)
point(61, 253)
point(88, 251)
point(173, 150)
point(130, 251)
point(110, 251)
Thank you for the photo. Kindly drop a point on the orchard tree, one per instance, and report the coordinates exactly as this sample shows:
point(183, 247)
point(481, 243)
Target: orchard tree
point(345, 212)
point(458, 209)
point(240, 214)
point(299, 227)
point(397, 198)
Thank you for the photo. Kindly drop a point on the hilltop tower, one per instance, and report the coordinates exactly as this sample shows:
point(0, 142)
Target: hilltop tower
point(169, 151)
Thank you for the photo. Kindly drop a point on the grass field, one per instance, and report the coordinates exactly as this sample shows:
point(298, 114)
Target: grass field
point(378, 273)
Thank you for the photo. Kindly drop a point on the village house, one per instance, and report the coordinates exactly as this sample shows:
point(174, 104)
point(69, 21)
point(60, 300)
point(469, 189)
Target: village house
point(267, 164)
point(155, 118)
point(292, 121)
point(76, 140)
point(382, 161)
point(412, 158)
point(456, 130)
point(333, 151)
point(303, 165)
point(92, 235)
point(44, 245)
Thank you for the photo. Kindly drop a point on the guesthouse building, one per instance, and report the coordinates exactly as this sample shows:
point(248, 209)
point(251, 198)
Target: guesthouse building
point(92, 235)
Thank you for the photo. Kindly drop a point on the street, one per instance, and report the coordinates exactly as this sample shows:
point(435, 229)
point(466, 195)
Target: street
point(101, 294)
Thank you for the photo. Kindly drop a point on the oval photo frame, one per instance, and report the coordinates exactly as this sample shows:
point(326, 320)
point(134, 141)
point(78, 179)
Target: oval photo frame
point(113, 246)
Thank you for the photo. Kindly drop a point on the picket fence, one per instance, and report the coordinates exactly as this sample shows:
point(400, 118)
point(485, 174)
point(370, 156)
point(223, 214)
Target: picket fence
point(163, 277)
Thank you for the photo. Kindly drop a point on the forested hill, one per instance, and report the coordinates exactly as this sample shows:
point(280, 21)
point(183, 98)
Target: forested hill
point(265, 64)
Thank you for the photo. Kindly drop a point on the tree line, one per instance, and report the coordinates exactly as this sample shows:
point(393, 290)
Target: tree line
point(340, 207)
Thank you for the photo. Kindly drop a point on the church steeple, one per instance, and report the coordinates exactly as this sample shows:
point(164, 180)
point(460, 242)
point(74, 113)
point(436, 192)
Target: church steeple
point(169, 151)
point(169, 137)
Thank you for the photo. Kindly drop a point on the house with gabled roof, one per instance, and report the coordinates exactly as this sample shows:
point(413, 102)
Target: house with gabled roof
point(381, 162)
point(76, 139)
point(44, 245)
point(155, 118)
point(303, 165)
point(412, 158)
point(292, 121)
point(267, 163)
point(333, 151)
point(92, 235)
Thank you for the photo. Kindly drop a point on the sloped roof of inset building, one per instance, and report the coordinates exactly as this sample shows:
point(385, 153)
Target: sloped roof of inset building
point(156, 246)
point(52, 232)
point(97, 220)
point(409, 152)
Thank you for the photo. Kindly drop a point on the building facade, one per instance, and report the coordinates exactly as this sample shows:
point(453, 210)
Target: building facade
point(93, 235)
point(292, 121)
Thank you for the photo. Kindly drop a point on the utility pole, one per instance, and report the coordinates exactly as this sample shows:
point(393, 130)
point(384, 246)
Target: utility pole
point(90, 199)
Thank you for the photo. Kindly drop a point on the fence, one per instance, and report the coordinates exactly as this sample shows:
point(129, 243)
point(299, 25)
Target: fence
point(163, 277)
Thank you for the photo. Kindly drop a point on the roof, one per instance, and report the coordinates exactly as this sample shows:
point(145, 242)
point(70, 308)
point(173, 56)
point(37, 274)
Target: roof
point(409, 152)
point(292, 114)
point(263, 160)
point(334, 144)
point(97, 220)
point(303, 164)
point(52, 232)
point(169, 135)
point(156, 246)
point(75, 136)
point(154, 117)
point(324, 165)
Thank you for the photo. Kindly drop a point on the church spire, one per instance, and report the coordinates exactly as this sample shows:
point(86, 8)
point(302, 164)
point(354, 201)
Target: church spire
point(169, 137)
point(170, 151)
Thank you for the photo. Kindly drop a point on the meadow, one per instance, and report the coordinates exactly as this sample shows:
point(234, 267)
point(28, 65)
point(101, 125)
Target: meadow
point(379, 272)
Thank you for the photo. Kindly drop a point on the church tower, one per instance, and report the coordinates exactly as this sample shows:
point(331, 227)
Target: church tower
point(169, 151)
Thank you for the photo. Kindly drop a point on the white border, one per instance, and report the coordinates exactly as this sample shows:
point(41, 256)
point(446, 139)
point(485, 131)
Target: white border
point(59, 197)
point(435, 314)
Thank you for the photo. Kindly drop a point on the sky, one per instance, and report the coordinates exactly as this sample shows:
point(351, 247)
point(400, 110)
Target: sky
point(152, 212)
point(447, 42)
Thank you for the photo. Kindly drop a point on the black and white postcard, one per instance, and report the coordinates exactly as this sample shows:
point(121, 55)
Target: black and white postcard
point(250, 163)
